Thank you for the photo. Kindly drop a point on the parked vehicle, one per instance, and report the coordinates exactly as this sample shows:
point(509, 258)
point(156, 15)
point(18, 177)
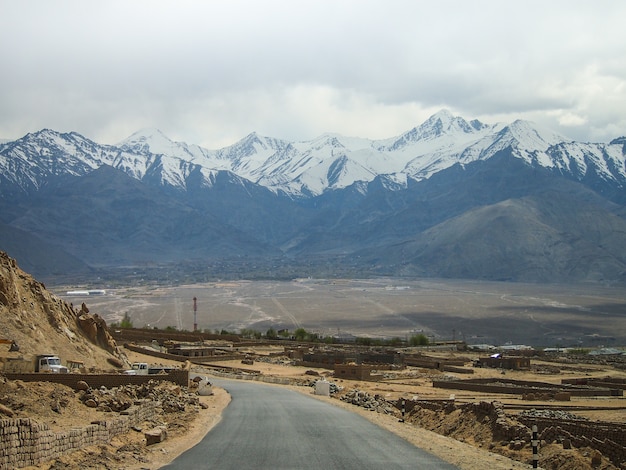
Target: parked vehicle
point(138, 368)
point(142, 368)
point(48, 363)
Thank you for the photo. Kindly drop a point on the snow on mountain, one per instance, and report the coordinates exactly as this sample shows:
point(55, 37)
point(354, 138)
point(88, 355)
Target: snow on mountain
point(29, 161)
point(577, 158)
point(438, 130)
point(309, 168)
point(153, 141)
point(174, 161)
point(246, 156)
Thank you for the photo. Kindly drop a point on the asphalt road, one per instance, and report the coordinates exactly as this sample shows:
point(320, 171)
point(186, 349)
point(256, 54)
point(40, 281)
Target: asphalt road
point(268, 427)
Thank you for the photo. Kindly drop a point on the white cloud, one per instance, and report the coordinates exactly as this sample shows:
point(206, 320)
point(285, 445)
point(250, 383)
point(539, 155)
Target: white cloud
point(210, 72)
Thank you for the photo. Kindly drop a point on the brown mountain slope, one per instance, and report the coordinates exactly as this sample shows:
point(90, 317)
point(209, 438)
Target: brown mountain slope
point(555, 236)
point(41, 323)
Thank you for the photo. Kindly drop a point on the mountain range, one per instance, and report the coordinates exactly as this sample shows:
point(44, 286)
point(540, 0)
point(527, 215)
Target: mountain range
point(448, 198)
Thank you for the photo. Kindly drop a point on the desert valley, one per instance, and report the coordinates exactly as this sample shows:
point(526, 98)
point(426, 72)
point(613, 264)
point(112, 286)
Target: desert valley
point(448, 414)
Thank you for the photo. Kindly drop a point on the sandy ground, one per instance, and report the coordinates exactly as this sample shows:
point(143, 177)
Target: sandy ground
point(163, 453)
point(184, 431)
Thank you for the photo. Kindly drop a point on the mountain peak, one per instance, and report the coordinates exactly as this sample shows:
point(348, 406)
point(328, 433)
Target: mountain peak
point(444, 122)
point(148, 140)
point(146, 134)
point(530, 135)
point(443, 115)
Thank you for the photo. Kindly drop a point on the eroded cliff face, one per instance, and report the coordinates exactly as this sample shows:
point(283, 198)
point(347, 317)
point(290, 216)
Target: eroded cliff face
point(95, 328)
point(41, 323)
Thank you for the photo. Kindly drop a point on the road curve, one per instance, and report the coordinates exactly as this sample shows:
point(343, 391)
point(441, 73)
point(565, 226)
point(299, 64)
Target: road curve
point(270, 427)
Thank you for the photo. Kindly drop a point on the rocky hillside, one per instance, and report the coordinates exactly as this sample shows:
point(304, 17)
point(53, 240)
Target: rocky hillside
point(41, 323)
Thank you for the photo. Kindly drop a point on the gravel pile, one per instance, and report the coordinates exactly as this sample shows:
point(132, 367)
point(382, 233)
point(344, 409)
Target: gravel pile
point(276, 360)
point(173, 398)
point(369, 402)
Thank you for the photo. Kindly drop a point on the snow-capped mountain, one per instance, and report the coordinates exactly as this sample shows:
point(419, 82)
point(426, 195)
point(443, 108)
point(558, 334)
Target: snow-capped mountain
point(309, 168)
point(448, 198)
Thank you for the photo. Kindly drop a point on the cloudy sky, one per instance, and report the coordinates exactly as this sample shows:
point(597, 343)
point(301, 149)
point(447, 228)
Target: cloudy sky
point(211, 72)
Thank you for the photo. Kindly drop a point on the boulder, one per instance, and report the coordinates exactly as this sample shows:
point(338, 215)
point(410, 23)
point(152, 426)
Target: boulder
point(155, 435)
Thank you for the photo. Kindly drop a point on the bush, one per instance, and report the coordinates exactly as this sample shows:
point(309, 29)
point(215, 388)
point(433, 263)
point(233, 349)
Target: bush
point(126, 323)
point(419, 340)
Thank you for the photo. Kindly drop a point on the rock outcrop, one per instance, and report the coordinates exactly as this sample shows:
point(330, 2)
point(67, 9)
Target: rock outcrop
point(42, 323)
point(95, 328)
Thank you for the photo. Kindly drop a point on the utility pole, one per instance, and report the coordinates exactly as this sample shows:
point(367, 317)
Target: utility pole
point(195, 315)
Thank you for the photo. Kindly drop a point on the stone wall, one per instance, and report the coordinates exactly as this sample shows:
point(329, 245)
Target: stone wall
point(25, 442)
point(146, 335)
point(607, 438)
point(175, 357)
point(180, 377)
point(520, 387)
point(591, 429)
point(255, 377)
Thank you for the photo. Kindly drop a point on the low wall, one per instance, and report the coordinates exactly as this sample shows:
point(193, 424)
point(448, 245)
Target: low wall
point(518, 387)
point(176, 357)
point(180, 377)
point(607, 438)
point(253, 377)
point(607, 382)
point(616, 432)
point(25, 442)
point(146, 335)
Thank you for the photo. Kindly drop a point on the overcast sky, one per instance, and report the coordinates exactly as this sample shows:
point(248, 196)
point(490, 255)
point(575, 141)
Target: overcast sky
point(211, 72)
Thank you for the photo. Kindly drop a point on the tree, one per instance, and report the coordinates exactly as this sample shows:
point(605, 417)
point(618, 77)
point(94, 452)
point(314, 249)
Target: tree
point(126, 323)
point(419, 340)
point(271, 334)
point(300, 334)
point(250, 333)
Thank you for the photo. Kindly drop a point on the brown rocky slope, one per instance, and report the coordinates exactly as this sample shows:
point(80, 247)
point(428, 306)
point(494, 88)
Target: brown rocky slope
point(41, 323)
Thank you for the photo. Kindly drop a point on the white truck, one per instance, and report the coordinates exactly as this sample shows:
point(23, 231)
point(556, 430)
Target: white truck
point(142, 368)
point(138, 368)
point(49, 363)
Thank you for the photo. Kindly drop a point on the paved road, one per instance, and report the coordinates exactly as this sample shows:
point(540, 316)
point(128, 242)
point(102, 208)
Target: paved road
point(267, 427)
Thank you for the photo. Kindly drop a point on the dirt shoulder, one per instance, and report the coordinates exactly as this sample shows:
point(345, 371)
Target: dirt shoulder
point(451, 450)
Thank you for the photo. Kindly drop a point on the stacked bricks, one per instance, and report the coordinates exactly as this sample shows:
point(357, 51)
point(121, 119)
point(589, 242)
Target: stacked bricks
point(25, 442)
point(502, 428)
point(607, 438)
point(581, 427)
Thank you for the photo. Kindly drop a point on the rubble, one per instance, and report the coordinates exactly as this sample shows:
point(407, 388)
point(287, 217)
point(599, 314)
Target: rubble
point(551, 414)
point(172, 397)
point(365, 400)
